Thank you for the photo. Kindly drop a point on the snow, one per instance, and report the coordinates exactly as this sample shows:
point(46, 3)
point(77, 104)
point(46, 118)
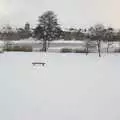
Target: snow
point(1, 43)
point(32, 40)
point(67, 41)
point(1, 46)
point(69, 87)
point(57, 45)
point(26, 41)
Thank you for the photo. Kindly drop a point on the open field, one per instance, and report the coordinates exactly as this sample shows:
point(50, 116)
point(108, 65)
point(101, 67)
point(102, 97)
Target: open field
point(68, 87)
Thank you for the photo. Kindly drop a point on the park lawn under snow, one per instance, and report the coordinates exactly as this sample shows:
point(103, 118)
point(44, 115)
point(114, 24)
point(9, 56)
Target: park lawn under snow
point(69, 87)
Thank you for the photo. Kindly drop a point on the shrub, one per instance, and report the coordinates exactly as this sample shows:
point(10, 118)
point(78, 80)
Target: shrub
point(79, 51)
point(117, 50)
point(18, 48)
point(66, 50)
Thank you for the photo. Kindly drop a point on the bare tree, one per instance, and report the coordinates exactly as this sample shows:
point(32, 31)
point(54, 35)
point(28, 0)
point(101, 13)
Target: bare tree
point(109, 37)
point(89, 46)
point(97, 34)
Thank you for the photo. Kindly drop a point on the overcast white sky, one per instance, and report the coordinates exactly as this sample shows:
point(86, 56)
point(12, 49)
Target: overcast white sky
point(78, 13)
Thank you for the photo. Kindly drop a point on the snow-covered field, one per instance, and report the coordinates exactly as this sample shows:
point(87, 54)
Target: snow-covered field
point(69, 87)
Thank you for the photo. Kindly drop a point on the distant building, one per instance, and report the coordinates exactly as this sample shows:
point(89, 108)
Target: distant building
point(27, 27)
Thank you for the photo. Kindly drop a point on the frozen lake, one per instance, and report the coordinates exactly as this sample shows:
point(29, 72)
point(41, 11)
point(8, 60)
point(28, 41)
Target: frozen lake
point(69, 87)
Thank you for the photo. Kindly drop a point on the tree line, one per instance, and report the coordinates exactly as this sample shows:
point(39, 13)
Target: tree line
point(49, 29)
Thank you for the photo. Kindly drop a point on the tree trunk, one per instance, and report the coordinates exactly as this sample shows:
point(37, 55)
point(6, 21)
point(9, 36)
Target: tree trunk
point(48, 43)
point(87, 49)
point(108, 47)
point(44, 46)
point(109, 44)
point(99, 50)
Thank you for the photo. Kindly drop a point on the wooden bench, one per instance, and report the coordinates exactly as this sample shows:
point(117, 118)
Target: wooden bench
point(39, 63)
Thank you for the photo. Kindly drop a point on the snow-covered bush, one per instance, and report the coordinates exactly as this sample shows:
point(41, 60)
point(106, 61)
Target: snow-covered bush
point(66, 50)
point(79, 51)
point(117, 50)
point(19, 48)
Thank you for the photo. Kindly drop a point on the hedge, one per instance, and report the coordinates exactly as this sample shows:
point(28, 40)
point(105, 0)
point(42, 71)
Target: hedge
point(18, 48)
point(66, 50)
